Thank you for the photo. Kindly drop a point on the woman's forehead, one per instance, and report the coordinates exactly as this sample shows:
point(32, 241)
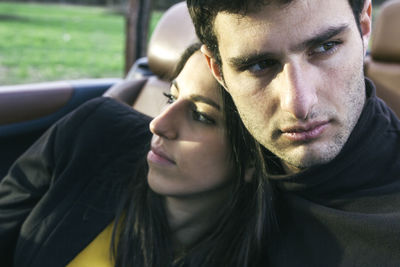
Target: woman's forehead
point(196, 78)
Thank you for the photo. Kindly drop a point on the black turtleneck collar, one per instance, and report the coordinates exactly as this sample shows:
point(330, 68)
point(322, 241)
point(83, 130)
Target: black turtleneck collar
point(361, 160)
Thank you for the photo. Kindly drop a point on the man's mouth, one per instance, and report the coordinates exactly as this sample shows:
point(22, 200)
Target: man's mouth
point(303, 133)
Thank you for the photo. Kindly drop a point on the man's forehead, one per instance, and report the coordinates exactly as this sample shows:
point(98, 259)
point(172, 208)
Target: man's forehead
point(301, 18)
point(286, 8)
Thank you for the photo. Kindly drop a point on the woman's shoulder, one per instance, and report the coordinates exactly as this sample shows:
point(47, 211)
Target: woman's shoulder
point(103, 117)
point(106, 109)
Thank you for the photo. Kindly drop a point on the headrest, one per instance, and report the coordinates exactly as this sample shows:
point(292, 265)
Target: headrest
point(172, 35)
point(386, 33)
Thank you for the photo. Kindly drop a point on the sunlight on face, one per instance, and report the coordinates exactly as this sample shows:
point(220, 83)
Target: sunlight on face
point(296, 78)
point(189, 154)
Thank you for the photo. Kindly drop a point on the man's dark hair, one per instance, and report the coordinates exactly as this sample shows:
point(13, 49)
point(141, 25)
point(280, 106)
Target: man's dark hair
point(204, 12)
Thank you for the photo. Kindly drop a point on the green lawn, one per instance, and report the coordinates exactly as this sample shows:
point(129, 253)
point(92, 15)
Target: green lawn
point(53, 42)
point(45, 42)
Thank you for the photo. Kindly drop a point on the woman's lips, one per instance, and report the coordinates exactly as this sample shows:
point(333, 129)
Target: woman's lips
point(159, 157)
point(305, 133)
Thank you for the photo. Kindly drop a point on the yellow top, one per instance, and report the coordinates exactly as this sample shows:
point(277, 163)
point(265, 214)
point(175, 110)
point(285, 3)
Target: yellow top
point(97, 253)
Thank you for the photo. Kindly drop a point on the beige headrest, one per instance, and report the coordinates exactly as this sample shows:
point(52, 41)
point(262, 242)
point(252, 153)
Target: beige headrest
point(173, 34)
point(386, 33)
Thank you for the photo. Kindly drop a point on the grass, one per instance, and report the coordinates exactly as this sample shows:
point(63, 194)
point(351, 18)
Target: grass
point(55, 42)
point(48, 42)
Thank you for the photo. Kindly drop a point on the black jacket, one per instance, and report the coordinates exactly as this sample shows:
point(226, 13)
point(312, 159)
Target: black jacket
point(346, 212)
point(61, 193)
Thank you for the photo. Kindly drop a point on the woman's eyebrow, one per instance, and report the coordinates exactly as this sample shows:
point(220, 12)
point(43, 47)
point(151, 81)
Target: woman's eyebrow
point(198, 98)
point(203, 99)
point(175, 83)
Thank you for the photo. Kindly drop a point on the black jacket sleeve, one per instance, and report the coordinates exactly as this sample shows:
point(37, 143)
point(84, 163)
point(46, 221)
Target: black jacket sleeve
point(33, 175)
point(28, 179)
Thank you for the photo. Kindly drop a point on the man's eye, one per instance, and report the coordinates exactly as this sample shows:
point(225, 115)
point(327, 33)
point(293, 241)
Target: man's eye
point(201, 117)
point(326, 48)
point(170, 98)
point(262, 65)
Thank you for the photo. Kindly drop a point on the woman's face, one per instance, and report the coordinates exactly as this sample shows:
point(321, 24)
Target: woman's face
point(189, 153)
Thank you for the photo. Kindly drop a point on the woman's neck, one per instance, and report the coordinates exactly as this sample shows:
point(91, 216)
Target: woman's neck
point(190, 218)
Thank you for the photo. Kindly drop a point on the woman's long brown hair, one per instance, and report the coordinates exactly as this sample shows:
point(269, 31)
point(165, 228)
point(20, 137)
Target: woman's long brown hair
point(141, 236)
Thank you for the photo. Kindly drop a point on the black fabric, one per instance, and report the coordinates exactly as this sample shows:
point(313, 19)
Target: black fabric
point(12, 147)
point(346, 212)
point(63, 191)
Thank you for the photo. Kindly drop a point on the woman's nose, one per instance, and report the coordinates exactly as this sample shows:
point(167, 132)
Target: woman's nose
point(167, 123)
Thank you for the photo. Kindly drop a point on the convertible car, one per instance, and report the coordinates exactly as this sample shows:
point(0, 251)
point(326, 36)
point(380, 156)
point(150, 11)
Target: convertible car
point(26, 111)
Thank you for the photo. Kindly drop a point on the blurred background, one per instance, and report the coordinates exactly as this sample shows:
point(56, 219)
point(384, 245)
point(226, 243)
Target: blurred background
point(49, 40)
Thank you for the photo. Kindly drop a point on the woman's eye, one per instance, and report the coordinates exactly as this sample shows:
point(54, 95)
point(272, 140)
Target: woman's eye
point(170, 98)
point(201, 117)
point(262, 65)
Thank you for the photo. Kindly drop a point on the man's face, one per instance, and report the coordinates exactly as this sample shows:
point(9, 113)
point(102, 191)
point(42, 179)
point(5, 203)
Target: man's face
point(296, 75)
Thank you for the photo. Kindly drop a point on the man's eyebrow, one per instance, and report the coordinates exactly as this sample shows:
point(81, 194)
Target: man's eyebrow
point(246, 60)
point(203, 99)
point(321, 37)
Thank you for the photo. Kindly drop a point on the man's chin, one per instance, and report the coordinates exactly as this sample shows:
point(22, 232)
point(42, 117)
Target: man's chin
point(297, 163)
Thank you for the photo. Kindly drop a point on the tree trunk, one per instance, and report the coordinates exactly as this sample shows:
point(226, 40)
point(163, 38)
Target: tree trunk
point(137, 24)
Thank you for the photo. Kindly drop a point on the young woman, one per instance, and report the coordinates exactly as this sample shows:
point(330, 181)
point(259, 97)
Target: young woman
point(200, 204)
point(197, 200)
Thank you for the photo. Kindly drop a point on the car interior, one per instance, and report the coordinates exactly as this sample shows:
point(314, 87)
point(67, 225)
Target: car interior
point(26, 111)
point(173, 34)
point(149, 77)
point(382, 65)
point(24, 115)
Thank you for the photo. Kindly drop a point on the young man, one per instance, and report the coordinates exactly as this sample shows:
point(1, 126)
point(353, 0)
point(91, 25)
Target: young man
point(295, 71)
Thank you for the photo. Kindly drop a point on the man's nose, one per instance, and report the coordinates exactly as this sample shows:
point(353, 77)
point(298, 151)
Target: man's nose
point(298, 92)
point(167, 123)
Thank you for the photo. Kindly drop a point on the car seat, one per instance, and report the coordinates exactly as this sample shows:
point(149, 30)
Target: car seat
point(172, 35)
point(382, 66)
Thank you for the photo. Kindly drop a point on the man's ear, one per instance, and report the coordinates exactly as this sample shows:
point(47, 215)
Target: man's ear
point(212, 64)
point(366, 23)
point(248, 174)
